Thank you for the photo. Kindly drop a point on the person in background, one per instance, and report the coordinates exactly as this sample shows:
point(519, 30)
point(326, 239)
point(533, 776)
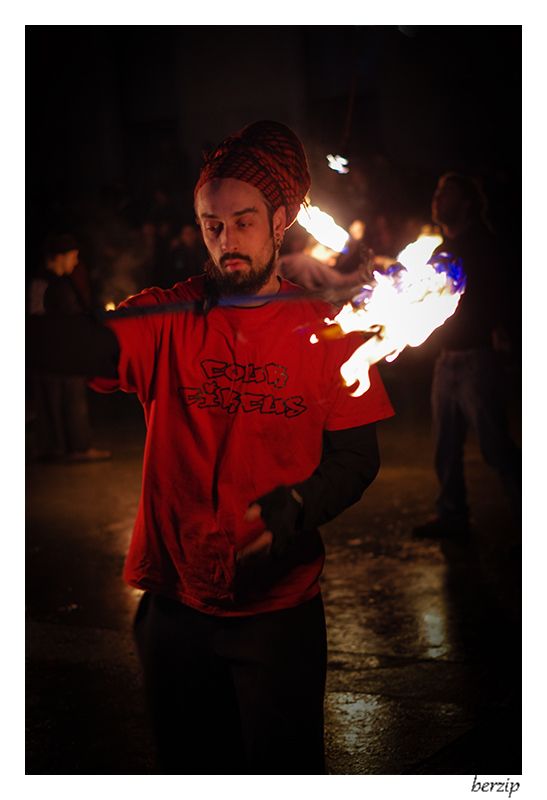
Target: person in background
point(382, 238)
point(61, 414)
point(468, 381)
point(188, 254)
point(315, 269)
point(356, 251)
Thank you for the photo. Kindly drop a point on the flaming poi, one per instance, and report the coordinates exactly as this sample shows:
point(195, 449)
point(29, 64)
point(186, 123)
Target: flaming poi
point(322, 227)
point(401, 307)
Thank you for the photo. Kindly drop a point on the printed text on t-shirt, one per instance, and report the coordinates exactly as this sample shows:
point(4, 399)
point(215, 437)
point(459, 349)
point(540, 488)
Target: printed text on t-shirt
point(218, 390)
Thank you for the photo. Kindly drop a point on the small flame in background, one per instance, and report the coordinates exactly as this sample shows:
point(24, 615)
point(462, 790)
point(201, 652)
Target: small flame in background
point(338, 164)
point(110, 306)
point(322, 226)
point(403, 307)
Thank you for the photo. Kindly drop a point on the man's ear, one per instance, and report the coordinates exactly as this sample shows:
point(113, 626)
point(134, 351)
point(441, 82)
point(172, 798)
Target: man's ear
point(279, 224)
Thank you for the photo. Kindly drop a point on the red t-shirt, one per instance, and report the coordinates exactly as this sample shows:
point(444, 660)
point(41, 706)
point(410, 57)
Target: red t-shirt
point(235, 404)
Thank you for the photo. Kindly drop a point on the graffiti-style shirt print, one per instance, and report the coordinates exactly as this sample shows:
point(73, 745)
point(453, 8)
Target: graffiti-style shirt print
point(258, 389)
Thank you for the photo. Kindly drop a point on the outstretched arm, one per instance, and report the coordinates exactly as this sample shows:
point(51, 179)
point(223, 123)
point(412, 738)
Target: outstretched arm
point(71, 345)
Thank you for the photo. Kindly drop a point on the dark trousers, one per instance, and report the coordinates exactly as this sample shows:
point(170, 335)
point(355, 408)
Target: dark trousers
point(468, 391)
point(234, 695)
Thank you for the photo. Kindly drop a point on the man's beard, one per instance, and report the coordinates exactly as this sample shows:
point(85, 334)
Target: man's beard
point(224, 282)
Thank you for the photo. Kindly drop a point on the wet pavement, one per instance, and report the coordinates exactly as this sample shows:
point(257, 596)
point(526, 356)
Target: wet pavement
point(424, 637)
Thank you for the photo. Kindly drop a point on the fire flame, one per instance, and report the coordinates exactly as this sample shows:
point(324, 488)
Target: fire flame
point(403, 307)
point(338, 164)
point(416, 254)
point(322, 226)
point(110, 306)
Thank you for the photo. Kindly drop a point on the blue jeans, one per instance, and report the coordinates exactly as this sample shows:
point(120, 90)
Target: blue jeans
point(468, 390)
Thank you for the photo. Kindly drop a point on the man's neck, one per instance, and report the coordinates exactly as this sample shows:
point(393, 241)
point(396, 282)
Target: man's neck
point(455, 229)
point(272, 287)
point(55, 270)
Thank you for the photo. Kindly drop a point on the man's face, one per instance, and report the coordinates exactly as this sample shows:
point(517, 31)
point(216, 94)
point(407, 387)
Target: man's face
point(449, 204)
point(63, 263)
point(357, 229)
point(239, 235)
point(71, 259)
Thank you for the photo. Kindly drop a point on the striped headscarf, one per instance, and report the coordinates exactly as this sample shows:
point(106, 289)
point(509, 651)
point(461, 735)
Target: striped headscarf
point(269, 156)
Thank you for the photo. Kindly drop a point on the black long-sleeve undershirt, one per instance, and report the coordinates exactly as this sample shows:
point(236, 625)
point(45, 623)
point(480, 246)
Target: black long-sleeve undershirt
point(349, 464)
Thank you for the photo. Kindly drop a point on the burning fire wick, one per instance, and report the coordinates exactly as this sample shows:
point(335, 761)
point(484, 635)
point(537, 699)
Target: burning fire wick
point(322, 227)
point(403, 307)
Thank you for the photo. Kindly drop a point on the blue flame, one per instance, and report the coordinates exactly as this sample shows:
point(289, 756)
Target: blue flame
point(362, 297)
point(453, 267)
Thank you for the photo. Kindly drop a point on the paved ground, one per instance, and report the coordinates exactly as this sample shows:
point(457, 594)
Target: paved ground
point(424, 639)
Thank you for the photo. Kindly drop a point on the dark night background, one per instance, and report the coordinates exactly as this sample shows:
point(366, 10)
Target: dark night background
point(115, 113)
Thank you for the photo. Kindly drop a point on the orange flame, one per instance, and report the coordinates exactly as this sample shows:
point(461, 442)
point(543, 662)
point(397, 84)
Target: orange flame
point(323, 227)
point(397, 315)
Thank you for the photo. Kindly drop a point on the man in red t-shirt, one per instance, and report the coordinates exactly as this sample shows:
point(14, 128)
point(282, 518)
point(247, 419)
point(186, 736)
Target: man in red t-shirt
point(253, 441)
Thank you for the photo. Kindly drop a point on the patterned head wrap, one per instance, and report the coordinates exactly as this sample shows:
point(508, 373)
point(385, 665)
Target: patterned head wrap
point(269, 156)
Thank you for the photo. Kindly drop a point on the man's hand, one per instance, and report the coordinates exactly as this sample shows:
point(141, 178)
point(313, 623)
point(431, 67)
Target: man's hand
point(280, 509)
point(259, 545)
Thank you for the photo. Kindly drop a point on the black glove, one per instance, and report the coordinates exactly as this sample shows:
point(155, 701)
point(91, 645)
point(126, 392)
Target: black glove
point(281, 510)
